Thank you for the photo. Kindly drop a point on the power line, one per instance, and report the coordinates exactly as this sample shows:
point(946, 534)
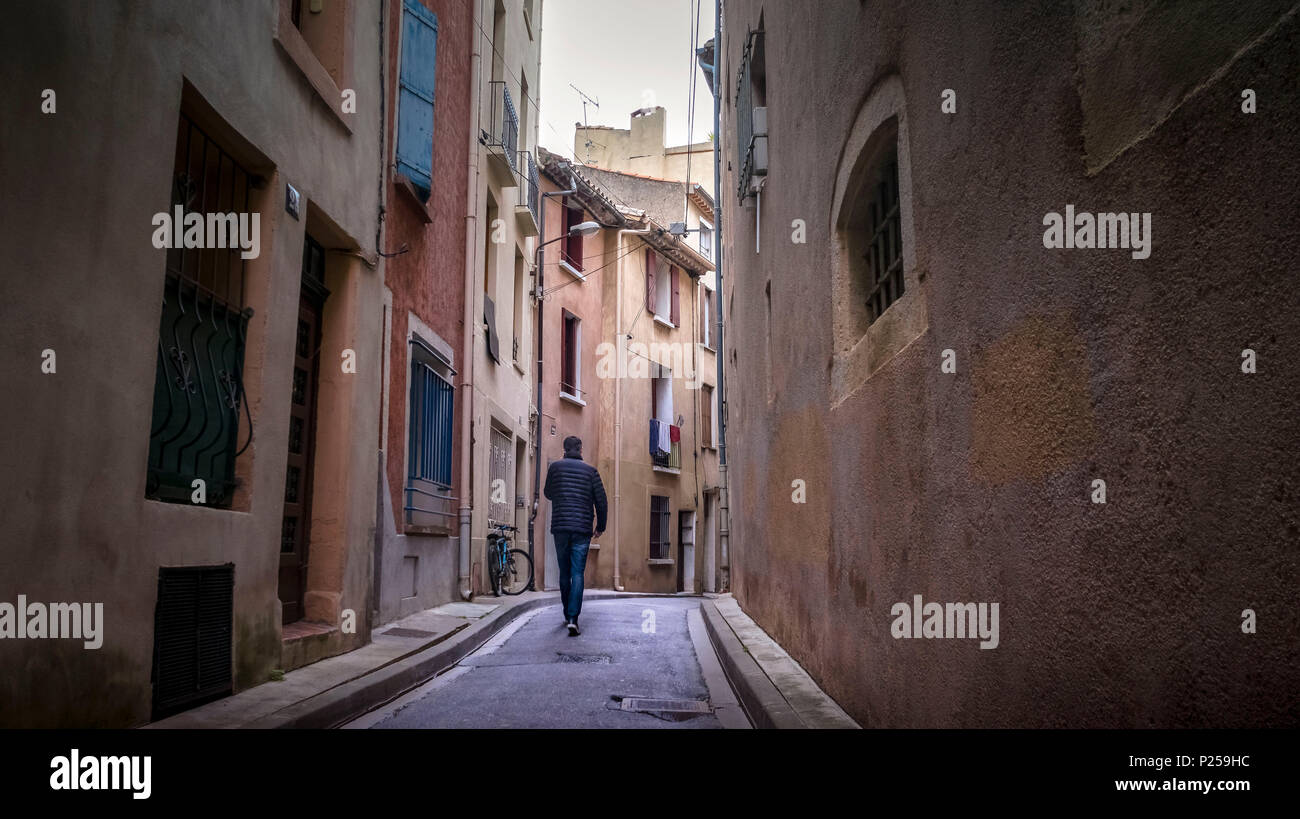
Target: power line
point(690, 111)
point(588, 275)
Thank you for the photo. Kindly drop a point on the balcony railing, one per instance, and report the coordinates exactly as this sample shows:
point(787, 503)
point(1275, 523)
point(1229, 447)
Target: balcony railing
point(670, 458)
point(528, 192)
point(504, 133)
point(526, 215)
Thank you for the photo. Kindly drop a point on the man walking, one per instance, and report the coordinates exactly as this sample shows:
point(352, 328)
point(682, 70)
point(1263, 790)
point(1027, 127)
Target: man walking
point(573, 488)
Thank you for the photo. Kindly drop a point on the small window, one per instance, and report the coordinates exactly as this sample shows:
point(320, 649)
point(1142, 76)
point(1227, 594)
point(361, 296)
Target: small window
point(319, 25)
point(706, 316)
point(877, 306)
point(706, 239)
point(520, 296)
point(660, 538)
point(571, 363)
point(663, 298)
point(751, 111)
point(571, 245)
point(883, 255)
point(430, 429)
point(706, 420)
point(662, 382)
point(665, 434)
point(500, 472)
point(198, 394)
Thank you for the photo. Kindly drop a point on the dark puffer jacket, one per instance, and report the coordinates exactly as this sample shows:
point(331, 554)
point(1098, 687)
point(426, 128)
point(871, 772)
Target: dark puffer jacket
point(573, 488)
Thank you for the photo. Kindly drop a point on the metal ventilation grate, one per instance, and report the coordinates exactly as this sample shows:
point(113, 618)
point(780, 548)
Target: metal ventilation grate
point(192, 637)
point(665, 706)
point(567, 657)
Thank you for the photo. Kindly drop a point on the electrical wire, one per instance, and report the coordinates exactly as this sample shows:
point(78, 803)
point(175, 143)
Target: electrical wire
point(548, 291)
point(690, 111)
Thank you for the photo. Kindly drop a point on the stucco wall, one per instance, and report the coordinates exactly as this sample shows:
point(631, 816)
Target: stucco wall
point(642, 148)
point(84, 184)
point(638, 480)
point(427, 280)
point(503, 389)
point(1072, 365)
point(561, 417)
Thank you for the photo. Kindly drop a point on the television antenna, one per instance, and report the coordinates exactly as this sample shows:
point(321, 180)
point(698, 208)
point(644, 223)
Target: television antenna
point(585, 101)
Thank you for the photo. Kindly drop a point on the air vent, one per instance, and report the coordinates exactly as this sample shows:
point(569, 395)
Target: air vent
point(192, 637)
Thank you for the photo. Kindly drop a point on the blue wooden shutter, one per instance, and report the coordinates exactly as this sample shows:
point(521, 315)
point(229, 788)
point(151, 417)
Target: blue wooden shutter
point(415, 102)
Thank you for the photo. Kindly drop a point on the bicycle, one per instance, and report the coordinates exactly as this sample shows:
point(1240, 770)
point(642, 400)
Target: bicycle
point(510, 570)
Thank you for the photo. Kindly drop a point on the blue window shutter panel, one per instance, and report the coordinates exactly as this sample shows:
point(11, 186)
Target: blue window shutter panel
point(415, 103)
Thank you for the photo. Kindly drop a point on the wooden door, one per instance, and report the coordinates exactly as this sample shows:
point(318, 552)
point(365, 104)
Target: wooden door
point(295, 533)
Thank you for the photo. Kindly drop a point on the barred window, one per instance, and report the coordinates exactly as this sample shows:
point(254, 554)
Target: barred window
point(198, 382)
point(884, 254)
point(500, 471)
point(660, 517)
point(430, 432)
point(431, 421)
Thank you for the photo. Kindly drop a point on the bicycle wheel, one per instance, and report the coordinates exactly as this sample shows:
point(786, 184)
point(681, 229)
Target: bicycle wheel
point(518, 572)
point(494, 569)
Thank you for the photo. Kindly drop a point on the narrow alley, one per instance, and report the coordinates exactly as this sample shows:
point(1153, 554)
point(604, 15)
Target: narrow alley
point(638, 663)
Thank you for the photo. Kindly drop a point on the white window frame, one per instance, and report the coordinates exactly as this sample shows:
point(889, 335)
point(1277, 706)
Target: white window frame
point(705, 224)
point(713, 417)
point(663, 294)
point(706, 296)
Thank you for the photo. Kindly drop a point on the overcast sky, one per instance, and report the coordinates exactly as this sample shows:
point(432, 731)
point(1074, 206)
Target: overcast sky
point(628, 54)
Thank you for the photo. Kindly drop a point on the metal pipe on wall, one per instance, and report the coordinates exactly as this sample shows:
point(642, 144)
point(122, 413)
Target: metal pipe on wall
point(540, 261)
point(724, 521)
point(620, 367)
point(467, 347)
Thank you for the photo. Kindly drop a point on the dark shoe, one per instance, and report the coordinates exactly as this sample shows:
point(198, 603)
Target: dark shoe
point(573, 628)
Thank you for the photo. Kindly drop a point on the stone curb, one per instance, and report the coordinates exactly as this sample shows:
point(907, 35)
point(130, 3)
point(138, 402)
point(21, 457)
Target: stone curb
point(359, 696)
point(760, 698)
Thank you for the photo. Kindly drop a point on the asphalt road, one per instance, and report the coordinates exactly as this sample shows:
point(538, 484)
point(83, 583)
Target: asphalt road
point(533, 674)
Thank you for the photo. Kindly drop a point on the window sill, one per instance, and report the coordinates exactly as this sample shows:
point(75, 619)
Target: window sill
point(572, 271)
point(667, 470)
point(427, 531)
point(660, 561)
point(572, 399)
point(412, 197)
point(665, 322)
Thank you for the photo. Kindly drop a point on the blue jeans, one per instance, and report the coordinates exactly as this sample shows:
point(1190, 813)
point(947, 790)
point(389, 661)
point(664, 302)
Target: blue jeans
point(571, 553)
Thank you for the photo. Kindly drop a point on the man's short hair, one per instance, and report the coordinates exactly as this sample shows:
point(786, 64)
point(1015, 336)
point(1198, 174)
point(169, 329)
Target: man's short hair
point(572, 444)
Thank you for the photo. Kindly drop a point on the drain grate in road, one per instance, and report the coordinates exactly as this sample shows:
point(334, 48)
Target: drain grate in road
point(665, 706)
point(567, 657)
point(407, 632)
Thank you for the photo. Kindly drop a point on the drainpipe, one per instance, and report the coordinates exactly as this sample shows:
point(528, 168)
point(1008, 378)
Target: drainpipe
point(724, 520)
point(619, 368)
point(467, 348)
point(537, 450)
